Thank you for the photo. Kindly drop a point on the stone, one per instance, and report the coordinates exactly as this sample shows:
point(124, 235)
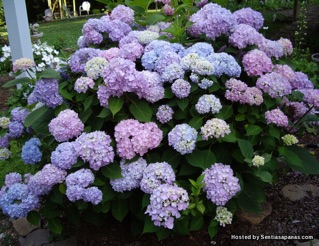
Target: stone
point(23, 227)
point(313, 189)
point(294, 192)
point(68, 242)
point(314, 242)
point(36, 238)
point(255, 218)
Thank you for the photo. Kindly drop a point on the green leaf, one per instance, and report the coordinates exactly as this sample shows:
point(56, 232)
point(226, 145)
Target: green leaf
point(265, 176)
point(240, 117)
point(226, 112)
point(310, 164)
point(112, 171)
point(274, 131)
point(154, 18)
point(49, 74)
point(203, 159)
point(17, 82)
point(291, 158)
point(213, 228)
point(115, 104)
point(88, 102)
point(196, 122)
point(105, 112)
point(66, 94)
point(141, 110)
point(247, 199)
point(39, 119)
point(119, 209)
point(172, 157)
point(246, 148)
point(34, 217)
point(55, 225)
point(253, 130)
point(163, 233)
point(149, 226)
point(183, 103)
point(201, 208)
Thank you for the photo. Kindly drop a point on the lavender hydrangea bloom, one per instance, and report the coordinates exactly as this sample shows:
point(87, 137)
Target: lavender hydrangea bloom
point(271, 48)
point(205, 83)
point(166, 202)
point(132, 174)
point(224, 64)
point(95, 147)
point(134, 138)
point(46, 91)
point(182, 138)
point(18, 201)
point(166, 59)
point(123, 13)
point(31, 152)
point(156, 174)
point(215, 128)
point(64, 156)
point(212, 20)
point(172, 72)
point(164, 113)
point(301, 81)
point(16, 129)
point(66, 126)
point(277, 117)
point(93, 195)
point(244, 35)
point(154, 90)
point(285, 71)
point(286, 45)
point(274, 84)
point(132, 51)
point(220, 183)
point(80, 57)
point(208, 103)
point(83, 178)
point(117, 29)
point(91, 31)
point(110, 53)
point(75, 193)
point(82, 84)
point(103, 95)
point(202, 49)
point(311, 97)
point(4, 141)
point(256, 62)
point(249, 17)
point(43, 181)
point(181, 88)
point(12, 178)
point(19, 114)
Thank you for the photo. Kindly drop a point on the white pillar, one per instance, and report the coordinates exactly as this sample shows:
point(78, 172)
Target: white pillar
point(15, 13)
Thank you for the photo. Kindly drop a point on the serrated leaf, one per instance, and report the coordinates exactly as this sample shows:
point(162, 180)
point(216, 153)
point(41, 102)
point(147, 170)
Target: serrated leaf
point(183, 103)
point(213, 228)
point(154, 18)
point(39, 119)
point(265, 176)
point(55, 225)
point(119, 209)
point(226, 112)
point(253, 130)
point(104, 113)
point(16, 82)
point(112, 171)
point(196, 122)
point(141, 110)
point(115, 104)
point(246, 148)
point(149, 226)
point(274, 131)
point(49, 74)
point(202, 159)
point(34, 217)
point(88, 102)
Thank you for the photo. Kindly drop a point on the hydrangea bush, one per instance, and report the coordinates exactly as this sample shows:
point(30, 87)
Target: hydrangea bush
point(168, 121)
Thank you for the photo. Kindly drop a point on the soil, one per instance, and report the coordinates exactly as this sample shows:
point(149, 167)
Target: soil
point(288, 218)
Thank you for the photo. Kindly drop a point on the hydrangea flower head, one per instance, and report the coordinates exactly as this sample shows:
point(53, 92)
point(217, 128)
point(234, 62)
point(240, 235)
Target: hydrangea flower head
point(274, 84)
point(19, 114)
point(220, 183)
point(249, 17)
point(154, 90)
point(156, 174)
point(64, 156)
point(223, 216)
point(4, 141)
point(286, 45)
point(123, 13)
point(277, 117)
point(222, 63)
point(258, 161)
point(181, 88)
point(271, 48)
point(79, 59)
point(301, 81)
point(132, 174)
point(4, 154)
point(244, 35)
point(82, 84)
point(31, 152)
point(95, 147)
point(16, 129)
point(208, 103)
point(182, 138)
point(12, 178)
point(289, 139)
point(166, 202)
point(164, 113)
point(22, 64)
point(215, 128)
point(256, 63)
point(66, 126)
point(4, 122)
point(94, 67)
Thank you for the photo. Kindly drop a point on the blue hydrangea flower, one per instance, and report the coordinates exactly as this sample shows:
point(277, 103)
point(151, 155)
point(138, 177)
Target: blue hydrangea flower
point(31, 152)
point(182, 138)
point(64, 156)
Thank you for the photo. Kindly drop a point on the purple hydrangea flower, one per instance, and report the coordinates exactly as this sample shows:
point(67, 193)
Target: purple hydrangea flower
point(103, 95)
point(91, 31)
point(83, 178)
point(46, 91)
point(4, 141)
point(12, 178)
point(249, 17)
point(168, 9)
point(156, 174)
point(215, 128)
point(220, 183)
point(111, 53)
point(244, 35)
point(202, 49)
point(132, 51)
point(208, 103)
point(166, 59)
point(166, 202)
point(164, 113)
point(43, 181)
point(18, 201)
point(133, 137)
point(285, 71)
point(277, 117)
point(182, 138)
point(286, 45)
point(16, 129)
point(274, 84)
point(93, 195)
point(223, 63)
point(117, 29)
point(256, 62)
point(181, 88)
point(211, 20)
point(82, 84)
point(19, 114)
point(154, 90)
point(31, 152)
point(123, 13)
point(205, 83)
point(311, 97)
point(66, 126)
point(301, 81)
point(132, 174)
point(80, 57)
point(95, 147)
point(64, 156)
point(271, 48)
